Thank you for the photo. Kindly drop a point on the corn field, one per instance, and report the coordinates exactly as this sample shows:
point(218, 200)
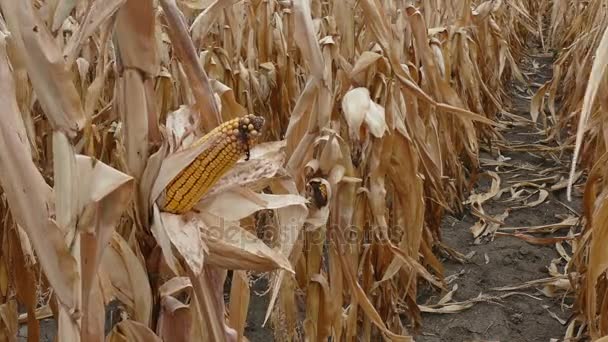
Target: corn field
point(159, 160)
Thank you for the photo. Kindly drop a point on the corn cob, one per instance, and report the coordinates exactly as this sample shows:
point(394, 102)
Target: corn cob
point(231, 140)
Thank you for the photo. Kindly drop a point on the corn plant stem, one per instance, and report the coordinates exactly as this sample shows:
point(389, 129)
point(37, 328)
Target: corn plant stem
point(184, 49)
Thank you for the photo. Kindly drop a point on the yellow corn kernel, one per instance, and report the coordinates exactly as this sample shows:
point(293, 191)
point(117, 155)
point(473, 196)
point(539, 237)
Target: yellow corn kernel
point(230, 141)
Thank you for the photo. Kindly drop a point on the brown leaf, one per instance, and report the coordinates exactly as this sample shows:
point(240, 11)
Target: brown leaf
point(598, 70)
point(131, 331)
point(46, 68)
point(174, 321)
point(128, 279)
point(232, 247)
point(9, 326)
point(536, 240)
point(30, 198)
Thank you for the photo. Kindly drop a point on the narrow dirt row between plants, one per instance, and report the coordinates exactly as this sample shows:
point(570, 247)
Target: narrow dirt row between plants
point(504, 259)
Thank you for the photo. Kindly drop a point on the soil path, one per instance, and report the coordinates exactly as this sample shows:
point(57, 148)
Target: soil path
point(506, 260)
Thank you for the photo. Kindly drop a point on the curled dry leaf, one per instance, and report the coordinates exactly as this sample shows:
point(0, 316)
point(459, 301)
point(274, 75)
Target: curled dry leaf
point(132, 331)
point(537, 240)
point(102, 195)
point(479, 199)
point(222, 204)
point(174, 286)
point(232, 247)
point(542, 197)
point(358, 107)
point(62, 11)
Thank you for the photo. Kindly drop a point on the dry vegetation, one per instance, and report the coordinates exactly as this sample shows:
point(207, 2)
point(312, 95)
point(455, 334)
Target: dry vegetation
point(579, 33)
point(374, 111)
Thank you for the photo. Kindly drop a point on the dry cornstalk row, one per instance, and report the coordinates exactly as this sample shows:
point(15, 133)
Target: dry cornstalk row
point(577, 106)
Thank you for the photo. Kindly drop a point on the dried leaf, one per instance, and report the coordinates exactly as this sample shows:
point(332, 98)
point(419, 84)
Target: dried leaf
point(132, 331)
point(46, 68)
point(232, 247)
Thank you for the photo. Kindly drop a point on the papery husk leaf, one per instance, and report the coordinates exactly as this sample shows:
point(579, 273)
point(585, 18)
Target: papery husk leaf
point(355, 105)
point(174, 286)
point(184, 234)
point(161, 236)
point(232, 247)
point(222, 204)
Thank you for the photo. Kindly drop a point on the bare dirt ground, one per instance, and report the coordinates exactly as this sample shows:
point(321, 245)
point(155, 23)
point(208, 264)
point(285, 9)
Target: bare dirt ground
point(507, 260)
